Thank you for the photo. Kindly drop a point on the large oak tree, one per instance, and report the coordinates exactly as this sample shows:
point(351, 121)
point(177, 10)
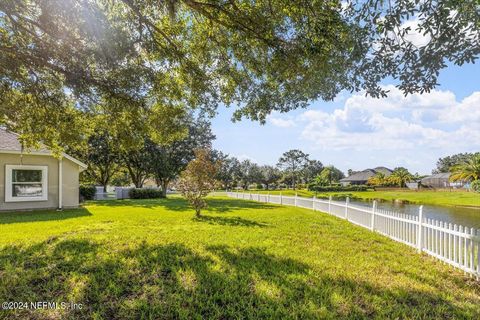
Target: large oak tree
point(60, 60)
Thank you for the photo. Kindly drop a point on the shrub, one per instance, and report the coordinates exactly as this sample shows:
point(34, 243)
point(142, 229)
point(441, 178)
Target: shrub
point(87, 192)
point(336, 188)
point(475, 185)
point(259, 186)
point(140, 193)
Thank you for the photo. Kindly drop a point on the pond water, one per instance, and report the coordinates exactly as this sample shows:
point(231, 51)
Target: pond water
point(465, 216)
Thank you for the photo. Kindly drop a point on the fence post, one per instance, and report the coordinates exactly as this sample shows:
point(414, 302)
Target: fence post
point(281, 200)
point(295, 199)
point(313, 203)
point(420, 227)
point(347, 201)
point(330, 204)
point(372, 224)
point(268, 196)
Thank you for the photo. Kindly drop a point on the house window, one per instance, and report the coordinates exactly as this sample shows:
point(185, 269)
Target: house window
point(26, 183)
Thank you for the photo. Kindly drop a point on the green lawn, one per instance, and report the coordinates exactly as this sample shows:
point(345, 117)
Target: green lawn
point(151, 259)
point(443, 198)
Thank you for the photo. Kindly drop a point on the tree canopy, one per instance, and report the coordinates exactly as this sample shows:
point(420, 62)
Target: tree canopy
point(467, 170)
point(140, 63)
point(446, 163)
point(167, 161)
point(293, 162)
point(400, 176)
point(328, 176)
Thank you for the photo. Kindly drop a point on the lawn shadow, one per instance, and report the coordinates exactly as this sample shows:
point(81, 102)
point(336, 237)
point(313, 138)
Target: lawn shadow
point(227, 205)
point(42, 215)
point(215, 205)
point(229, 221)
point(216, 282)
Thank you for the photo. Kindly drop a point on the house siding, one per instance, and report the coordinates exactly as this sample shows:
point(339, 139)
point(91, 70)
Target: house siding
point(70, 182)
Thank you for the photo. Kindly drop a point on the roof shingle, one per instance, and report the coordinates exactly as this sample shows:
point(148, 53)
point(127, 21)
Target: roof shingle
point(367, 174)
point(9, 142)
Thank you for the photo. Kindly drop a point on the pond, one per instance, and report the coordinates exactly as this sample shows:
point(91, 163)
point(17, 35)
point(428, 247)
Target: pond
point(465, 216)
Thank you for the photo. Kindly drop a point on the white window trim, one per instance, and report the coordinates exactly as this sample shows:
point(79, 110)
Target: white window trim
point(8, 183)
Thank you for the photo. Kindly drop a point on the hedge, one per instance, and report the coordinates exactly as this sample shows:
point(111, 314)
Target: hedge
point(140, 193)
point(317, 188)
point(87, 192)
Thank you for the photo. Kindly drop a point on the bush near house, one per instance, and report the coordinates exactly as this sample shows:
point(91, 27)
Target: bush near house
point(87, 192)
point(139, 193)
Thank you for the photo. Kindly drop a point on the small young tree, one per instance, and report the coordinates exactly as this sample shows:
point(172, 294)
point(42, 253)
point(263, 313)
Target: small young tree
point(198, 179)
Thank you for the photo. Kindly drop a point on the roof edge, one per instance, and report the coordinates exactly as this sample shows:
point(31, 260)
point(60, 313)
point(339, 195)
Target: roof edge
point(36, 153)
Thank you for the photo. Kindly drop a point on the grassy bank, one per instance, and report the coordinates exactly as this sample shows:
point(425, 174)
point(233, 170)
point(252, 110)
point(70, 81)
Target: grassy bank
point(151, 259)
point(443, 198)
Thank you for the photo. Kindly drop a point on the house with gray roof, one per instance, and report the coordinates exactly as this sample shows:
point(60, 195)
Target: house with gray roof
point(35, 179)
point(441, 180)
point(361, 177)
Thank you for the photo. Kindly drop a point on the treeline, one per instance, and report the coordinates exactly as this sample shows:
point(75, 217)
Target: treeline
point(294, 170)
point(462, 167)
point(123, 160)
point(113, 159)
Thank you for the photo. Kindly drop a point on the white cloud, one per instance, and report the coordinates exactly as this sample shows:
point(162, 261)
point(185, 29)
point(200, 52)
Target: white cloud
point(413, 35)
point(243, 157)
point(432, 120)
point(280, 122)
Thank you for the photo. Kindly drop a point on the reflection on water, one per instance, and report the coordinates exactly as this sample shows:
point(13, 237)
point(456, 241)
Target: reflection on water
point(468, 217)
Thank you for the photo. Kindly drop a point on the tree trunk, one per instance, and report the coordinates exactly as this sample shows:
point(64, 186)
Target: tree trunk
point(164, 188)
point(104, 180)
point(197, 213)
point(135, 176)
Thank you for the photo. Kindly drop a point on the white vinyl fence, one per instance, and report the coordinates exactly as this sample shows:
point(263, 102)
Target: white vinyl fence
point(455, 245)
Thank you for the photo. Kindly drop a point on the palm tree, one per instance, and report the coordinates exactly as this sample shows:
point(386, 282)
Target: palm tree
point(328, 176)
point(400, 176)
point(377, 180)
point(467, 170)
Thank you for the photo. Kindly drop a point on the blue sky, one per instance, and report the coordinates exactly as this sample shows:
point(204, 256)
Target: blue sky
point(355, 132)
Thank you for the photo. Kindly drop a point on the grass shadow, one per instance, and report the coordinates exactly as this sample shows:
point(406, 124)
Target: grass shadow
point(229, 221)
point(173, 281)
point(215, 205)
point(42, 215)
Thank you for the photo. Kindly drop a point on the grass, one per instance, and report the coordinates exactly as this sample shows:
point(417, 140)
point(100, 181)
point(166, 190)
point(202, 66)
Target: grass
point(151, 259)
point(441, 198)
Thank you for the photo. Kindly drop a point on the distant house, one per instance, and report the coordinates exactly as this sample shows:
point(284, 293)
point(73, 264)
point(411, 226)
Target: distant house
point(361, 177)
point(36, 179)
point(440, 180)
